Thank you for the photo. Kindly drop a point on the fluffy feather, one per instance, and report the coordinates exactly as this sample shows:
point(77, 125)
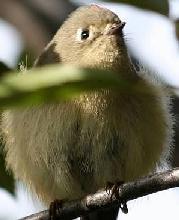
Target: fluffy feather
point(71, 149)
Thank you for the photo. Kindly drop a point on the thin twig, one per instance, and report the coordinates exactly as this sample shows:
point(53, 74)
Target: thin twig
point(102, 199)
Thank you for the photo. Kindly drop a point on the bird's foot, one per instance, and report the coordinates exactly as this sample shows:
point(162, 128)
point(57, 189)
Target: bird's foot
point(54, 209)
point(108, 187)
point(123, 207)
point(113, 188)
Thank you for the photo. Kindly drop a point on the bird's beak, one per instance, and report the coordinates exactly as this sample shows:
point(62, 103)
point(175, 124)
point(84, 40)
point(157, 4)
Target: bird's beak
point(116, 29)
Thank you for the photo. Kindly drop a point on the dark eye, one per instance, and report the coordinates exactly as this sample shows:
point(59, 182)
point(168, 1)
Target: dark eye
point(84, 34)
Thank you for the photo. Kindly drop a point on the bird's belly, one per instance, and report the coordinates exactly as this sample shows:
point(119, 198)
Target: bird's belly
point(59, 161)
point(125, 142)
point(112, 158)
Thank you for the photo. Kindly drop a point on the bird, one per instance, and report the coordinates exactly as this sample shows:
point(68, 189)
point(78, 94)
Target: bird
point(73, 148)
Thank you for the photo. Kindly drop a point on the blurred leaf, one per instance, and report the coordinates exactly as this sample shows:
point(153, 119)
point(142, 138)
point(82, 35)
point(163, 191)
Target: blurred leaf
point(6, 179)
point(54, 83)
point(160, 6)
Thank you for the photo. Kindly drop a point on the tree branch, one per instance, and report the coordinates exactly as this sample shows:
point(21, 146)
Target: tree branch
point(37, 20)
point(102, 199)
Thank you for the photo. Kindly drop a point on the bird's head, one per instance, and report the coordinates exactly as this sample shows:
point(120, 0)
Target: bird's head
point(91, 37)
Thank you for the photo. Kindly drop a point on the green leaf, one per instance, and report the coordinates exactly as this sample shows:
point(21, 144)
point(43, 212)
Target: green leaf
point(6, 179)
point(160, 6)
point(53, 83)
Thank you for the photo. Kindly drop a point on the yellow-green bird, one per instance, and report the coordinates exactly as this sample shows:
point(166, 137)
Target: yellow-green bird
point(70, 149)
